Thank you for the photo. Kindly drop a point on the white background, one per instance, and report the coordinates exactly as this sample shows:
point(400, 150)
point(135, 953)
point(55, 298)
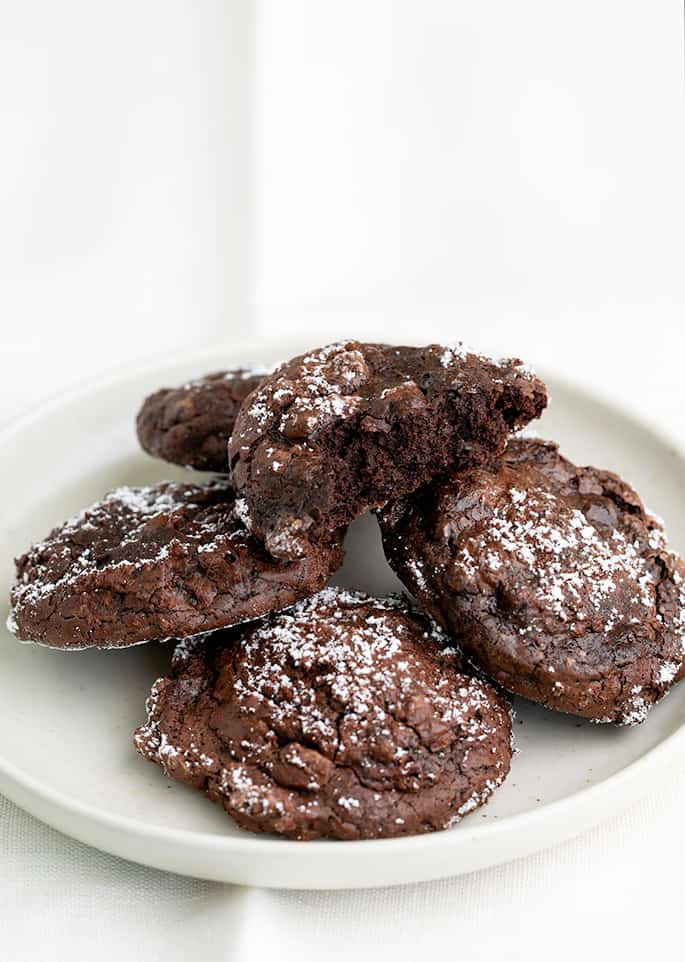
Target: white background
point(178, 172)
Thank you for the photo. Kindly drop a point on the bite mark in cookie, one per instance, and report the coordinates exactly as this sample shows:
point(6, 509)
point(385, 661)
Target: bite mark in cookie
point(346, 427)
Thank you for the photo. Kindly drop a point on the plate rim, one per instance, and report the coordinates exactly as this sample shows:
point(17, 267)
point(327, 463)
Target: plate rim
point(44, 800)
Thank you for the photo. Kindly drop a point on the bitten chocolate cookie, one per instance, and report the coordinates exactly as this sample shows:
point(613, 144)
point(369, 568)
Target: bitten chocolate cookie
point(556, 580)
point(150, 563)
point(342, 717)
point(190, 425)
point(344, 428)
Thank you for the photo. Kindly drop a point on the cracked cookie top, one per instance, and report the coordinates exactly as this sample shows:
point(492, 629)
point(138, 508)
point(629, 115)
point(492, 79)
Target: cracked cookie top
point(148, 563)
point(343, 428)
point(346, 716)
point(559, 580)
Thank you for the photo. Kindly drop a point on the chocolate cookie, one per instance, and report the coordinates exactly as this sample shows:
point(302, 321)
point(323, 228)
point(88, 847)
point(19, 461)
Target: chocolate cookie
point(190, 425)
point(344, 428)
point(342, 717)
point(556, 580)
point(149, 563)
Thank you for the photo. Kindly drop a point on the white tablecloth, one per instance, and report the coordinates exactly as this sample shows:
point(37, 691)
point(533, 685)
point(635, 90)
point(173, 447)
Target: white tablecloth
point(616, 892)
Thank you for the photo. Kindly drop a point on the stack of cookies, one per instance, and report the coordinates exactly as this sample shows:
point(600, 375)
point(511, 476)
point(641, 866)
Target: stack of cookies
point(311, 711)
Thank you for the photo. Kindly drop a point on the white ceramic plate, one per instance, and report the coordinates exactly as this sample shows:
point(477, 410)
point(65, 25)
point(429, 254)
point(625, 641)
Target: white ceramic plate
point(66, 718)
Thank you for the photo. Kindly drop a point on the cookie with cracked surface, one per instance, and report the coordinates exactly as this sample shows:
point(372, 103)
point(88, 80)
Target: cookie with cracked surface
point(346, 427)
point(557, 580)
point(190, 425)
point(149, 563)
point(346, 716)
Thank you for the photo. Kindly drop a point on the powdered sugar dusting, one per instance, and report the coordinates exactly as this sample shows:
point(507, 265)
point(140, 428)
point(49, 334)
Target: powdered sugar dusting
point(130, 529)
point(186, 646)
point(475, 800)
point(326, 383)
point(576, 572)
point(245, 373)
point(11, 623)
point(151, 740)
point(242, 512)
point(337, 677)
point(325, 387)
point(255, 369)
point(457, 352)
point(636, 708)
point(357, 667)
